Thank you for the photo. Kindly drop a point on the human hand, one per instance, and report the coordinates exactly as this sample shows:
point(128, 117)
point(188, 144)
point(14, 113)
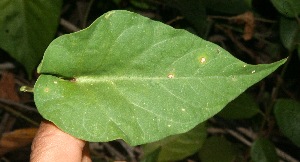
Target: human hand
point(52, 144)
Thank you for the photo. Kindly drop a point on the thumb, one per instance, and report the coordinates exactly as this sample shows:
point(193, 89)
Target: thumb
point(52, 144)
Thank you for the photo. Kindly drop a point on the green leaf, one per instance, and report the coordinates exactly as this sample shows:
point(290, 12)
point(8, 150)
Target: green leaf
point(242, 107)
point(289, 8)
point(217, 149)
point(27, 28)
point(289, 33)
point(171, 147)
point(287, 114)
point(153, 156)
point(129, 77)
point(263, 150)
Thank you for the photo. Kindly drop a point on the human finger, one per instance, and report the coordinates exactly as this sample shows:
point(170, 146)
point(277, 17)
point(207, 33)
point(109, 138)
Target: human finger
point(52, 144)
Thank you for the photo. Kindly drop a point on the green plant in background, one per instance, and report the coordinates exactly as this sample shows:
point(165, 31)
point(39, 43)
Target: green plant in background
point(133, 78)
point(27, 28)
point(263, 150)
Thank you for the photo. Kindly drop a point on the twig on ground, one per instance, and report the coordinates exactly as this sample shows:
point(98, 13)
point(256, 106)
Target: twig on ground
point(174, 20)
point(86, 14)
point(230, 18)
point(4, 120)
point(69, 25)
point(6, 66)
point(275, 91)
point(239, 137)
point(239, 44)
point(114, 152)
point(247, 132)
point(128, 149)
point(18, 114)
point(19, 105)
point(95, 147)
point(250, 135)
point(279, 152)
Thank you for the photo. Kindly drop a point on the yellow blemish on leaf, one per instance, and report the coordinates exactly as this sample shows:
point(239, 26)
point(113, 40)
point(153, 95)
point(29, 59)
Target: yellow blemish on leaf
point(202, 60)
point(234, 78)
point(171, 76)
point(108, 14)
point(253, 71)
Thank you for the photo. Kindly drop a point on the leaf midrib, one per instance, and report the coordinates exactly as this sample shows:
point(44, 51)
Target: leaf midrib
point(89, 79)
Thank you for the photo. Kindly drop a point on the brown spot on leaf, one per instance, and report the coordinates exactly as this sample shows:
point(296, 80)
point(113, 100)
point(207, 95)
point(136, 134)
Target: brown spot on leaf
point(46, 89)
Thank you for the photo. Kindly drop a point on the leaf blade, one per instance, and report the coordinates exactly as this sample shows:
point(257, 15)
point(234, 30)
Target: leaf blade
point(138, 77)
point(287, 115)
point(264, 151)
point(218, 148)
point(171, 147)
point(241, 107)
point(289, 8)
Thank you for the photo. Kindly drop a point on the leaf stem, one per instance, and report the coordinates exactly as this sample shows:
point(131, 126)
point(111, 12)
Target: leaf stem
point(26, 89)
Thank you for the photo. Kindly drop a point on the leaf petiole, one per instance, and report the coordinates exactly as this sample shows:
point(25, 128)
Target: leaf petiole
point(26, 89)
